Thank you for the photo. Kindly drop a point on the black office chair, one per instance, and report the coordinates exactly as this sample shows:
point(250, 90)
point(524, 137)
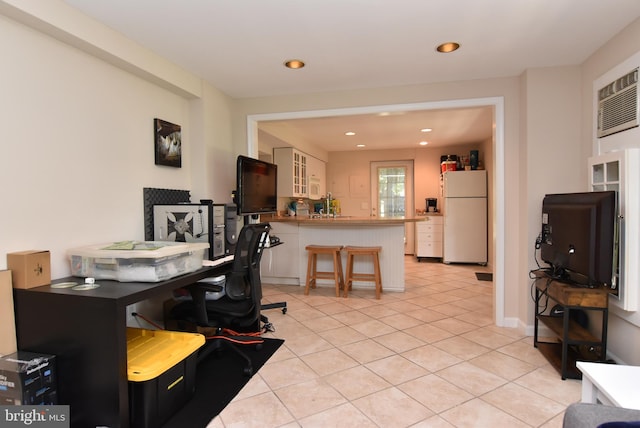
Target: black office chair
point(236, 315)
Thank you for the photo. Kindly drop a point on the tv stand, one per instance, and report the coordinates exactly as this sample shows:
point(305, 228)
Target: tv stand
point(574, 342)
point(575, 279)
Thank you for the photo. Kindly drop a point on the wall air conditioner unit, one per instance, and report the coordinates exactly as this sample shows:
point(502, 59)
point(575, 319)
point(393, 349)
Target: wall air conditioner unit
point(618, 105)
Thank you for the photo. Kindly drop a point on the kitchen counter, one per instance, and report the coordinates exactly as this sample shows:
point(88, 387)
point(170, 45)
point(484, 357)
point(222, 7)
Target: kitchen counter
point(343, 220)
point(287, 264)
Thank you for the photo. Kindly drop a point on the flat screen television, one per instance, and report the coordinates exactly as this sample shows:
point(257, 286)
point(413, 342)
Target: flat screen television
point(578, 237)
point(256, 186)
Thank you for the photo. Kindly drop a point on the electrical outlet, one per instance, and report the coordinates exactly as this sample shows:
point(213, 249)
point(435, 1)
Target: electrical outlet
point(131, 320)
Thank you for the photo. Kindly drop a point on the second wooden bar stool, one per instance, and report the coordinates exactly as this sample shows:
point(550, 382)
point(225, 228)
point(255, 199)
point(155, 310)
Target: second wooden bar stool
point(312, 266)
point(376, 276)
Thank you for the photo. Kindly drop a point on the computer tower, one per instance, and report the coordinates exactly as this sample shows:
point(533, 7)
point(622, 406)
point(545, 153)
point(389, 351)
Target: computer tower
point(230, 228)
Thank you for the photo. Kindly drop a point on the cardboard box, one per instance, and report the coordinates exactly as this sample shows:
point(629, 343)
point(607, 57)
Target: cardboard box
point(7, 318)
point(30, 268)
point(28, 378)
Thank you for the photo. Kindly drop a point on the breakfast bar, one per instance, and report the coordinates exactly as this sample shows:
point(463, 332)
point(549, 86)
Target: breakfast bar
point(288, 263)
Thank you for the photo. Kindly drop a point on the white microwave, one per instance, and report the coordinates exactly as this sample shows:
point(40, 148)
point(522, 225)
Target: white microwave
point(314, 187)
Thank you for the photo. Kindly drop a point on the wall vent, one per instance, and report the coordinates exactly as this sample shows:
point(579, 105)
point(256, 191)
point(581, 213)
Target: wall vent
point(618, 105)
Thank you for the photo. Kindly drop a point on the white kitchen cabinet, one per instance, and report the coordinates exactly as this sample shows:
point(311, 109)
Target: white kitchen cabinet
point(279, 265)
point(428, 240)
point(317, 177)
point(292, 172)
point(620, 171)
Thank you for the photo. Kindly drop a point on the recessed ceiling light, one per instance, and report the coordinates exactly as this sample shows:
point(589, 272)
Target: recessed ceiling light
point(426, 130)
point(350, 133)
point(294, 64)
point(359, 145)
point(391, 113)
point(448, 47)
point(423, 143)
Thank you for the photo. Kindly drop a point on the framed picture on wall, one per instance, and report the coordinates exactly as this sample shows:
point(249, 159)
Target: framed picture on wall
point(168, 143)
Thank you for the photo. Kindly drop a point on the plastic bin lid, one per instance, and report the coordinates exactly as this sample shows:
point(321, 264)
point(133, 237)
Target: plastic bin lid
point(152, 352)
point(216, 280)
point(138, 249)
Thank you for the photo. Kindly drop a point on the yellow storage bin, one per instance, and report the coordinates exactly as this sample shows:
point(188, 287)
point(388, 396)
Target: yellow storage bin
point(161, 368)
point(152, 352)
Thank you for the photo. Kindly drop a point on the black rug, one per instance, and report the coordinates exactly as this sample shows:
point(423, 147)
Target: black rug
point(219, 378)
point(484, 276)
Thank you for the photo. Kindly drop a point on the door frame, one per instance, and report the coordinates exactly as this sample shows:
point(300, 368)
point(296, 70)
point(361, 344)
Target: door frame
point(409, 202)
point(499, 194)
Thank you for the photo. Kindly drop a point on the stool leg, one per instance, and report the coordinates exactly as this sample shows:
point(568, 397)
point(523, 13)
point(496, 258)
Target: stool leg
point(314, 271)
point(353, 261)
point(340, 271)
point(376, 266)
point(336, 272)
point(308, 281)
point(348, 280)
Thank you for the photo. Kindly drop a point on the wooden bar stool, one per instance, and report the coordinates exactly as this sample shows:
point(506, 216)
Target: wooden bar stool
point(312, 266)
point(376, 276)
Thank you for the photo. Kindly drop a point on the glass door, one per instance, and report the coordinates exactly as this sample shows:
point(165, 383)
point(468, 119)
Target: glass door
point(392, 194)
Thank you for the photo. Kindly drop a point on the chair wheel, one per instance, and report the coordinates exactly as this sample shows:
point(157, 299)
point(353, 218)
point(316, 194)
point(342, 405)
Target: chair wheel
point(284, 311)
point(268, 327)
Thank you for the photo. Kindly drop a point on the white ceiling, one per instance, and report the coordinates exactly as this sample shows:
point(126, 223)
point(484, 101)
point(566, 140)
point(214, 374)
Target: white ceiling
point(379, 131)
point(239, 46)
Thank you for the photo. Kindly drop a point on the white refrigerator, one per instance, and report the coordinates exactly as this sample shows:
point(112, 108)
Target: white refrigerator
point(465, 217)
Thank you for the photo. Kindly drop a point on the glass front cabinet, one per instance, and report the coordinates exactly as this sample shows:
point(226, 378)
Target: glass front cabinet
point(620, 171)
point(292, 172)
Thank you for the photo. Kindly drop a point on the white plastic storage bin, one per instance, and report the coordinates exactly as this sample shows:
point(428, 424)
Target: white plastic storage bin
point(137, 261)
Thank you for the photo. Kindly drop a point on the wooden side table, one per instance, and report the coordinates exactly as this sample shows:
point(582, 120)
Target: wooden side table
point(573, 338)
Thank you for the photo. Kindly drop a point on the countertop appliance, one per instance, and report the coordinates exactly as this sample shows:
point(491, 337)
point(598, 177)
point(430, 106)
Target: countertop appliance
point(432, 205)
point(465, 217)
point(301, 208)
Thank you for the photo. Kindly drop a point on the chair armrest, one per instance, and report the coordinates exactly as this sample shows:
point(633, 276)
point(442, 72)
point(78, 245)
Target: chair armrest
point(198, 293)
point(579, 415)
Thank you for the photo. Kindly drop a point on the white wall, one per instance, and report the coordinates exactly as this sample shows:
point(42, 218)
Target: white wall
point(213, 161)
point(346, 164)
point(554, 162)
point(343, 167)
point(77, 146)
point(623, 336)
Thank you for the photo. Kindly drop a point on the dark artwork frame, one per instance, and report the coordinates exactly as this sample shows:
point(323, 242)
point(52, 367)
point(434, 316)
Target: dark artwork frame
point(167, 143)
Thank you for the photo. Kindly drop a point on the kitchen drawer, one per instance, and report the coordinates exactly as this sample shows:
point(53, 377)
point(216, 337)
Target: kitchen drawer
point(429, 249)
point(432, 229)
point(428, 239)
point(432, 219)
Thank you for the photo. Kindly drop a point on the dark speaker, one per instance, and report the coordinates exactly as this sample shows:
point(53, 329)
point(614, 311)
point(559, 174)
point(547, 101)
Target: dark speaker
point(230, 228)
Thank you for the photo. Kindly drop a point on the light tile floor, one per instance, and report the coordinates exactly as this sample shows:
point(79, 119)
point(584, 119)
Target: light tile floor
point(428, 357)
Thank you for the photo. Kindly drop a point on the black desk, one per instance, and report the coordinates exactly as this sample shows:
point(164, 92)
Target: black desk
point(86, 330)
